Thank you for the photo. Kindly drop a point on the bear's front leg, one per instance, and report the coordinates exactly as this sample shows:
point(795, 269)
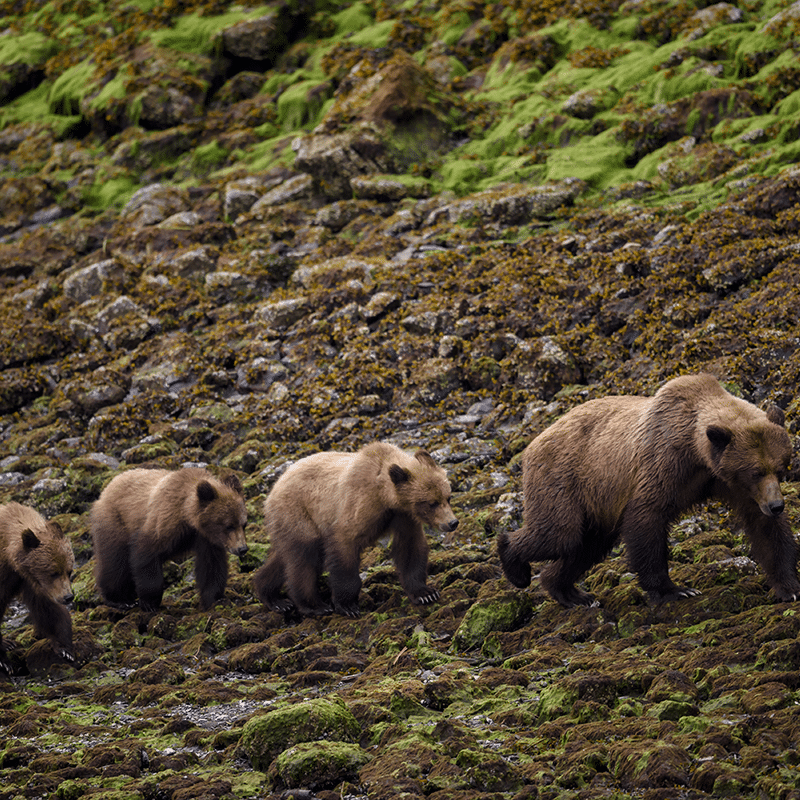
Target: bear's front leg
point(51, 620)
point(410, 555)
point(773, 547)
point(644, 532)
point(210, 571)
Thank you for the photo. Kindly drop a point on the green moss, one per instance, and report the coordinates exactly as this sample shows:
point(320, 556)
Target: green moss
point(195, 33)
point(354, 18)
point(112, 193)
point(318, 765)
point(26, 48)
point(300, 106)
point(501, 614)
point(267, 735)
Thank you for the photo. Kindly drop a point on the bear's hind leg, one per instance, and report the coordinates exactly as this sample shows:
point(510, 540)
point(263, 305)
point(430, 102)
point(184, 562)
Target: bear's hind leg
point(113, 571)
point(148, 576)
point(303, 568)
point(268, 583)
point(345, 580)
point(517, 570)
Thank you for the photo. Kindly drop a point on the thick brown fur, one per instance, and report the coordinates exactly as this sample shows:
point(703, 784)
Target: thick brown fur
point(626, 467)
point(326, 508)
point(36, 562)
point(145, 516)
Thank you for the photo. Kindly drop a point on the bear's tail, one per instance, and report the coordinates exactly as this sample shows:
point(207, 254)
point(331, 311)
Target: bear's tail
point(517, 571)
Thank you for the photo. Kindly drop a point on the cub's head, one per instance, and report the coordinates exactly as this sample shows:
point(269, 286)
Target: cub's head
point(222, 515)
point(424, 491)
point(750, 457)
point(45, 560)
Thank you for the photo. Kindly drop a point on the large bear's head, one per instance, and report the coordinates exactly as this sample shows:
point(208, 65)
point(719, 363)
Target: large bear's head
point(221, 513)
point(424, 491)
point(45, 561)
point(750, 455)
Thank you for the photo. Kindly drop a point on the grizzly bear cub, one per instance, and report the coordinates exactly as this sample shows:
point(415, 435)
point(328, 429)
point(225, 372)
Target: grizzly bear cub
point(145, 516)
point(326, 508)
point(36, 562)
point(625, 467)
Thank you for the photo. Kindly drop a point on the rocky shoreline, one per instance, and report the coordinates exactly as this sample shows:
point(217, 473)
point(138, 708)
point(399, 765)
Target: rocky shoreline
point(240, 260)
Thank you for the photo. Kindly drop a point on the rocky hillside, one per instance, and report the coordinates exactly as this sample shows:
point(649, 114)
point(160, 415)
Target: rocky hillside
point(235, 236)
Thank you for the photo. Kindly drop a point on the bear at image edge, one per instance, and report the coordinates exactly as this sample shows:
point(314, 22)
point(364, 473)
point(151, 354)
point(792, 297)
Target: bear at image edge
point(145, 516)
point(326, 508)
point(36, 562)
point(625, 467)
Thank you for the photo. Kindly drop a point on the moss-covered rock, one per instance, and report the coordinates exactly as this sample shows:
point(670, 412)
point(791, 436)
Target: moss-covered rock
point(267, 735)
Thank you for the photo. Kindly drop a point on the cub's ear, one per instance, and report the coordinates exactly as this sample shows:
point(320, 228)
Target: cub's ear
point(231, 480)
point(205, 492)
point(424, 457)
point(55, 529)
point(29, 539)
point(776, 415)
point(719, 437)
point(398, 474)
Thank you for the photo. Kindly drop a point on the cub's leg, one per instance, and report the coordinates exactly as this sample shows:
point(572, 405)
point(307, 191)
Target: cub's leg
point(148, 575)
point(112, 564)
point(268, 583)
point(303, 567)
point(210, 571)
point(51, 620)
point(343, 562)
point(410, 555)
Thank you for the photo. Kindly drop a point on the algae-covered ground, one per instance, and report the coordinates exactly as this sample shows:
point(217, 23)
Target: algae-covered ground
point(235, 236)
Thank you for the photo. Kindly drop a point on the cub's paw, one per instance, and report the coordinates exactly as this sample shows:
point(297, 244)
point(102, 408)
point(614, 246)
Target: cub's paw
point(5, 665)
point(425, 596)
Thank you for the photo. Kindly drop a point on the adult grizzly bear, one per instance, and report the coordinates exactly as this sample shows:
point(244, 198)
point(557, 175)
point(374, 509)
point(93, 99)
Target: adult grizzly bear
point(36, 562)
point(626, 467)
point(145, 516)
point(326, 508)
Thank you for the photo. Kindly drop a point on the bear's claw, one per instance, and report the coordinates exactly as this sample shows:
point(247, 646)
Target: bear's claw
point(424, 598)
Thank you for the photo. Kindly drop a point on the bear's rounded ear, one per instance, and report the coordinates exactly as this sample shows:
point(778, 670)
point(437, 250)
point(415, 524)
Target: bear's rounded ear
point(29, 539)
point(775, 414)
point(424, 457)
point(231, 480)
point(205, 492)
point(719, 437)
point(55, 529)
point(398, 474)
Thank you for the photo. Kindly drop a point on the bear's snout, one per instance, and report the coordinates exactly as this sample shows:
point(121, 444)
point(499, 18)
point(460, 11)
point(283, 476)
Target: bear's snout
point(67, 598)
point(239, 551)
point(776, 507)
point(770, 499)
point(450, 525)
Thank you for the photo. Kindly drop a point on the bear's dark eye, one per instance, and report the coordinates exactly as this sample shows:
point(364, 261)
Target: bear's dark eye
point(434, 504)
